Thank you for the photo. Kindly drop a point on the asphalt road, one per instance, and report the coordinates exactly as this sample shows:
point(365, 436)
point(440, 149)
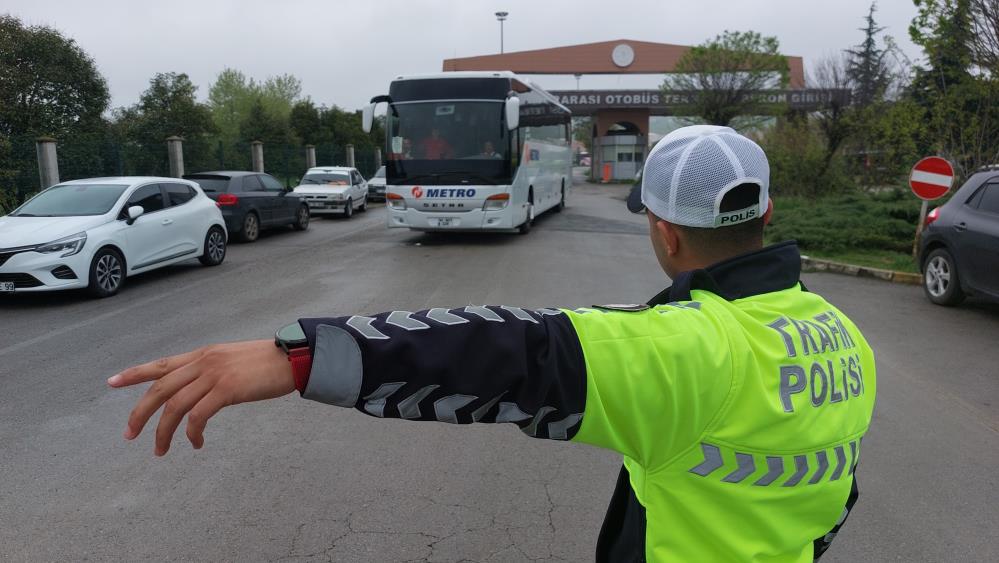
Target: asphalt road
point(293, 480)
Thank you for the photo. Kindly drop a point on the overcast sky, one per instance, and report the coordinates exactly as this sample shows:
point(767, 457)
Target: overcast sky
point(344, 52)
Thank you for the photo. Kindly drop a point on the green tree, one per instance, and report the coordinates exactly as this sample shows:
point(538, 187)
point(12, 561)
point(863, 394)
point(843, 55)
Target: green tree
point(261, 124)
point(305, 122)
point(960, 107)
point(724, 73)
point(867, 65)
point(985, 35)
point(168, 107)
point(48, 84)
point(229, 99)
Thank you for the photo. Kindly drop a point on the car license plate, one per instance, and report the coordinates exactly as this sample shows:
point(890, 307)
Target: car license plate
point(317, 204)
point(6, 287)
point(448, 222)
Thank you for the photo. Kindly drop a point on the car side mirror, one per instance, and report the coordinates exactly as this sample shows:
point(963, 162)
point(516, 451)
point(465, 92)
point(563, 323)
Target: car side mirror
point(512, 112)
point(134, 212)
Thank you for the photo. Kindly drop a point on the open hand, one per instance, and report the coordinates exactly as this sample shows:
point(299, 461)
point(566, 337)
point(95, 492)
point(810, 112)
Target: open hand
point(201, 383)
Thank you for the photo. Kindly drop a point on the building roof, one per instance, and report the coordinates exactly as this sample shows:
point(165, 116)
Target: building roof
point(596, 58)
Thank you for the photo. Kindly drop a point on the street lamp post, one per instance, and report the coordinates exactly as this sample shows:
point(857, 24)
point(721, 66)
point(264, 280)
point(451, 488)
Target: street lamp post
point(501, 16)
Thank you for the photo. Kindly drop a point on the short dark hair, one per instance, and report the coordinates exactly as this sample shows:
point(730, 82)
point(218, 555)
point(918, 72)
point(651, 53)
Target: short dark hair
point(730, 240)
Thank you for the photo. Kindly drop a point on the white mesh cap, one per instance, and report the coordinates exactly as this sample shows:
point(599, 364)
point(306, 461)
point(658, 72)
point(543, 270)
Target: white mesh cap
point(689, 172)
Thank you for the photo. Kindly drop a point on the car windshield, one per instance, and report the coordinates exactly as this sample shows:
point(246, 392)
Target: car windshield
point(211, 184)
point(332, 178)
point(72, 200)
point(380, 173)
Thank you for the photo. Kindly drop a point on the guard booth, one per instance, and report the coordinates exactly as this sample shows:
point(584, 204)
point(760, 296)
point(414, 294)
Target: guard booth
point(620, 143)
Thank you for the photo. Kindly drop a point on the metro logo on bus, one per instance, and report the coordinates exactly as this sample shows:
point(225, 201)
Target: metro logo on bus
point(443, 192)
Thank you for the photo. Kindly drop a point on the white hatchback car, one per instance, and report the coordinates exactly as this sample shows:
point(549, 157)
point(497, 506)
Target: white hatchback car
point(94, 233)
point(333, 189)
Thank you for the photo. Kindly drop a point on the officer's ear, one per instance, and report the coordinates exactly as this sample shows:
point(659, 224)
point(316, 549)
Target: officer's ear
point(667, 233)
point(769, 213)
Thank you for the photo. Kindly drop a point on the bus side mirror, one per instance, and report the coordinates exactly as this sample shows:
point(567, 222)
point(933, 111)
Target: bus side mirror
point(367, 117)
point(512, 113)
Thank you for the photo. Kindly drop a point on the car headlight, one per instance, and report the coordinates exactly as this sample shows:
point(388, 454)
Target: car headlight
point(68, 246)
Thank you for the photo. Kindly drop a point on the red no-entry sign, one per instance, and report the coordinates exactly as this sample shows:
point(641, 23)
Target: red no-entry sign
point(931, 178)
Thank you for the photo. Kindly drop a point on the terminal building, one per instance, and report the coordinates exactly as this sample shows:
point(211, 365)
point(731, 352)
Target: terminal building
point(620, 118)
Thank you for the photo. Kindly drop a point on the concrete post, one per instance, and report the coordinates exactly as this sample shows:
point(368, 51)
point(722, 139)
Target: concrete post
point(310, 156)
point(350, 156)
point(257, 155)
point(175, 152)
point(378, 158)
point(48, 164)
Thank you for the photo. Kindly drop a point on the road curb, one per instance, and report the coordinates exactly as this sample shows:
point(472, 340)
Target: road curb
point(809, 264)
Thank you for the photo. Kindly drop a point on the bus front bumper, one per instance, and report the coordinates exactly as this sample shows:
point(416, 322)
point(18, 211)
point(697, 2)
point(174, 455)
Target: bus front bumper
point(475, 220)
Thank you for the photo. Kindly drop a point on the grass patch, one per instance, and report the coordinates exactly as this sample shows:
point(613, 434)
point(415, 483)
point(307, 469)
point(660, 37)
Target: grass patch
point(884, 259)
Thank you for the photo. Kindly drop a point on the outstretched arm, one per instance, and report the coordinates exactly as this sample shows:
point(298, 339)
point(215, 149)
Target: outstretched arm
point(475, 364)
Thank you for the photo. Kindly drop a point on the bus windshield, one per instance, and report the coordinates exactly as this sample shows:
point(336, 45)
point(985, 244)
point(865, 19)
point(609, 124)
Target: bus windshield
point(448, 142)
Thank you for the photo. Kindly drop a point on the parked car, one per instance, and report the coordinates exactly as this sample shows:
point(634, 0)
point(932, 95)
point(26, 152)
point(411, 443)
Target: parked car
point(95, 233)
point(376, 185)
point(959, 247)
point(252, 201)
point(334, 189)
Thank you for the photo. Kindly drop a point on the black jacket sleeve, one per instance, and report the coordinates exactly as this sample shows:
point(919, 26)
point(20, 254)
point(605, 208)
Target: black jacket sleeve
point(473, 364)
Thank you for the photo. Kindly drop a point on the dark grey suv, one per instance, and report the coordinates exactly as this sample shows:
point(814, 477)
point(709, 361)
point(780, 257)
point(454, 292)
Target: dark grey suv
point(959, 247)
point(251, 201)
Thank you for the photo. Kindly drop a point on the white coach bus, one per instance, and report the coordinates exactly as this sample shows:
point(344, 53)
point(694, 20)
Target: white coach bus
point(473, 151)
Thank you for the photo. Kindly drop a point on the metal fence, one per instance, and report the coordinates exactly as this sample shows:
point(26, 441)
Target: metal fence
point(96, 155)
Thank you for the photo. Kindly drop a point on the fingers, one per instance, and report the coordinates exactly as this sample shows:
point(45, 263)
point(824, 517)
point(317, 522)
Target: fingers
point(158, 393)
point(153, 370)
point(175, 409)
point(206, 408)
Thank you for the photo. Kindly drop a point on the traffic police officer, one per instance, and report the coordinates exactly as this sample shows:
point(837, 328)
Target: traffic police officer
point(737, 398)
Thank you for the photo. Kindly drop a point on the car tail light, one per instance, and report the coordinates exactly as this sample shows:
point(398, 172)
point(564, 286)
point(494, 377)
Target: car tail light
point(932, 216)
point(498, 201)
point(395, 201)
point(226, 200)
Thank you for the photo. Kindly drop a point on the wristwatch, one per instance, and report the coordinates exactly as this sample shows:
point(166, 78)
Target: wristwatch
point(291, 338)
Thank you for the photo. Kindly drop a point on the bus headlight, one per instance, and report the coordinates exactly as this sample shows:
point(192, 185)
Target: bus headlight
point(395, 202)
point(496, 202)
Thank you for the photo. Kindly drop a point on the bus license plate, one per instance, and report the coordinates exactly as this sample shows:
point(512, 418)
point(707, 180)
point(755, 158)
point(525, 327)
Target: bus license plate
point(447, 222)
point(6, 287)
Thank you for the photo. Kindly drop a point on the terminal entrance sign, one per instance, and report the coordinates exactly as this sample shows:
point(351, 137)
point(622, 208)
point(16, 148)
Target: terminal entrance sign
point(658, 102)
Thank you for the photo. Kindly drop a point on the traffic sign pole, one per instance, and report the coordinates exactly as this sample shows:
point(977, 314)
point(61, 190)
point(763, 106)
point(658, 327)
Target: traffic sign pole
point(919, 228)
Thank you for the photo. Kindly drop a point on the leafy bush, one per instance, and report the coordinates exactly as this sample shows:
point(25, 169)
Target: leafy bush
point(855, 221)
point(799, 162)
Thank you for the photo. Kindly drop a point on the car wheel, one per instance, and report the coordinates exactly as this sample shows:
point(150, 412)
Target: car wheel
point(364, 205)
point(251, 228)
point(348, 210)
point(107, 273)
point(525, 227)
point(302, 218)
point(940, 279)
point(214, 252)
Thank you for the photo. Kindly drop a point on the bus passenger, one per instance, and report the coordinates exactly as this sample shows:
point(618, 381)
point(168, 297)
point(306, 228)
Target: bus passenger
point(434, 147)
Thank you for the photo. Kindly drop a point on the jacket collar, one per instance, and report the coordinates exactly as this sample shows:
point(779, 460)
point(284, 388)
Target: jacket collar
point(774, 268)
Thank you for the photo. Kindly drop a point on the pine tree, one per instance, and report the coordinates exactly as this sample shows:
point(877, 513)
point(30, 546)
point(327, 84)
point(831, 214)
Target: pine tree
point(867, 64)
